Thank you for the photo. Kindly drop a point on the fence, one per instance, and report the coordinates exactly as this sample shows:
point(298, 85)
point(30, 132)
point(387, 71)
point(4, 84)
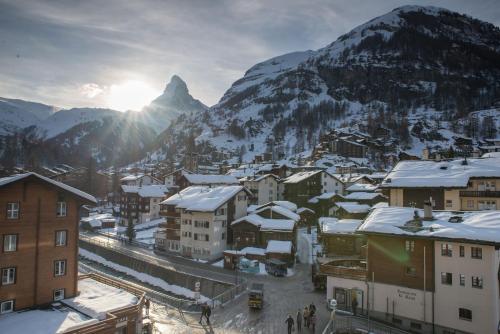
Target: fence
point(359, 325)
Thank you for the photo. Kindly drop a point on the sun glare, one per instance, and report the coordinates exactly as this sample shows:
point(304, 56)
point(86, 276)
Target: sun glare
point(131, 95)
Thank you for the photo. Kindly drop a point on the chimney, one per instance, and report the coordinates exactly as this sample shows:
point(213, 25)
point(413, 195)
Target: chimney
point(428, 210)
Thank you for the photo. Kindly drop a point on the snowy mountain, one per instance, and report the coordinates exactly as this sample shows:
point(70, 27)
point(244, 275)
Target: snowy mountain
point(174, 102)
point(409, 64)
point(17, 114)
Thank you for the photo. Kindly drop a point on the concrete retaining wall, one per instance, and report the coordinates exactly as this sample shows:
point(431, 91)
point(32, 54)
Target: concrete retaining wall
point(208, 287)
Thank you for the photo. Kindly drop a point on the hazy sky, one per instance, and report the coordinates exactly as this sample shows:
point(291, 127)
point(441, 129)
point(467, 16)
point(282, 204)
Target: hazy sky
point(91, 53)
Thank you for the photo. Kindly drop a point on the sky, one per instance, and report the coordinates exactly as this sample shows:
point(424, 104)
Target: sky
point(121, 54)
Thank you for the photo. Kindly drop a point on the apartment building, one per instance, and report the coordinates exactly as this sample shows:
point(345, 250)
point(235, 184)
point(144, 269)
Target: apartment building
point(141, 203)
point(198, 217)
point(264, 188)
point(425, 271)
point(464, 184)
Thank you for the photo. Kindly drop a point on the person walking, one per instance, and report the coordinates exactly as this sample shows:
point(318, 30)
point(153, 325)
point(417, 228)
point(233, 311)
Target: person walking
point(203, 312)
point(289, 323)
point(312, 309)
point(146, 304)
point(305, 314)
point(208, 313)
point(299, 321)
point(313, 323)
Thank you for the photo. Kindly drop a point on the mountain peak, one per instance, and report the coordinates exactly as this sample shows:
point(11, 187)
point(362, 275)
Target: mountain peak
point(176, 86)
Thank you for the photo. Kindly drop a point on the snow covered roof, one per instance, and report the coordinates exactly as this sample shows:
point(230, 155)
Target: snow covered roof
point(276, 246)
point(266, 223)
point(245, 170)
point(258, 178)
point(360, 195)
point(96, 299)
point(353, 207)
point(331, 225)
point(203, 198)
point(48, 321)
point(202, 179)
point(301, 176)
point(380, 205)
point(433, 174)
point(361, 187)
point(14, 178)
point(286, 204)
point(477, 226)
point(96, 220)
point(301, 210)
point(132, 177)
point(153, 190)
point(279, 210)
point(254, 251)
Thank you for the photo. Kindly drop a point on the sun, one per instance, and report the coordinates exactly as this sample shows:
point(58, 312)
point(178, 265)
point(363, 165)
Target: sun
point(131, 95)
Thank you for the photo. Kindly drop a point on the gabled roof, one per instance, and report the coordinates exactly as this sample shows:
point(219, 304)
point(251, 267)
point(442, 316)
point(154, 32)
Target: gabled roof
point(362, 187)
point(353, 207)
point(276, 246)
point(258, 178)
point(266, 223)
point(474, 226)
point(279, 210)
point(331, 225)
point(203, 198)
point(361, 195)
point(440, 174)
point(152, 190)
point(14, 178)
point(204, 179)
point(301, 176)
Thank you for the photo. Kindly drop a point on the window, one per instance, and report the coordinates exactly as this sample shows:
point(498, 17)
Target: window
point(470, 204)
point(462, 279)
point(61, 238)
point(10, 242)
point(465, 314)
point(447, 278)
point(462, 251)
point(60, 268)
point(411, 271)
point(410, 245)
point(206, 237)
point(223, 237)
point(477, 282)
point(446, 250)
point(449, 203)
point(8, 276)
point(13, 210)
point(196, 236)
point(61, 209)
point(58, 294)
point(6, 306)
point(476, 252)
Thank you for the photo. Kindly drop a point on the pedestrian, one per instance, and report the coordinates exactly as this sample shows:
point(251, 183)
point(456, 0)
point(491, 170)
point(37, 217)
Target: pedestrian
point(208, 312)
point(299, 321)
point(289, 323)
point(305, 314)
point(203, 311)
point(146, 304)
point(354, 306)
point(312, 309)
point(313, 323)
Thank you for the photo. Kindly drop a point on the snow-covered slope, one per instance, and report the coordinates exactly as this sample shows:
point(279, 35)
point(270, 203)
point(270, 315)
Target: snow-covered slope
point(16, 114)
point(413, 62)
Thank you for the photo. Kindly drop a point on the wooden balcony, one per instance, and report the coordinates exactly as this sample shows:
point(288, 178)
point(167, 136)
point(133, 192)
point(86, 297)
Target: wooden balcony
point(488, 193)
point(165, 213)
point(349, 269)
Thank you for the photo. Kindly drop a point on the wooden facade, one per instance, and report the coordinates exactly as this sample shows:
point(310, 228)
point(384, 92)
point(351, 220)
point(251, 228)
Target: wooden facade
point(300, 192)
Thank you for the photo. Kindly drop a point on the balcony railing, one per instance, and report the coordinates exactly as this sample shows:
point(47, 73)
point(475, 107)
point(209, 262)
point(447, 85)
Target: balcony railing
point(349, 269)
point(486, 193)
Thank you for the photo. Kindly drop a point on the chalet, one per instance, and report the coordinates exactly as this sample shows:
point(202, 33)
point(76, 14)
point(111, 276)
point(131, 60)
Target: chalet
point(173, 179)
point(141, 203)
point(280, 250)
point(350, 210)
point(39, 265)
point(463, 184)
point(301, 186)
point(340, 239)
point(264, 188)
point(443, 279)
point(197, 220)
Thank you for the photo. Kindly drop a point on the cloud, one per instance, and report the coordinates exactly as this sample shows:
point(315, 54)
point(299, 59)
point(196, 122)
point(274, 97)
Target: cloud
point(91, 90)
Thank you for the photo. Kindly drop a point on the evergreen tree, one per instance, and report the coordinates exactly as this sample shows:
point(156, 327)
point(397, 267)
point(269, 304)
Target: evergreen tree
point(130, 232)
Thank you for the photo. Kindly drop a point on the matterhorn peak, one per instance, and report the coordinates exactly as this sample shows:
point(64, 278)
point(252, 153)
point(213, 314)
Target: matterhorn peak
point(176, 87)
